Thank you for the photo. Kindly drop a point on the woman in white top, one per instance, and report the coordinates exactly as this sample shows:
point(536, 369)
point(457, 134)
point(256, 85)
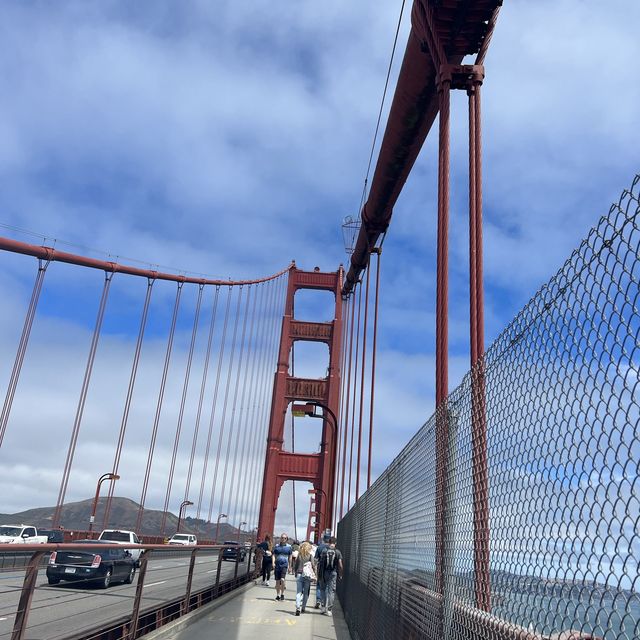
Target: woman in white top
point(304, 573)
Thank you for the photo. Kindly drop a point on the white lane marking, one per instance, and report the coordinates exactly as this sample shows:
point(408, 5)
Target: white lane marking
point(158, 567)
point(212, 571)
point(3, 619)
point(153, 584)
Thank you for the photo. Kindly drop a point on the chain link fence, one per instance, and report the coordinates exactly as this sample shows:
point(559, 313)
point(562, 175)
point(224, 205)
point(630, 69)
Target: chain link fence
point(545, 544)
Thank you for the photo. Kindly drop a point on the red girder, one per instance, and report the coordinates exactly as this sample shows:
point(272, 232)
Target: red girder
point(461, 26)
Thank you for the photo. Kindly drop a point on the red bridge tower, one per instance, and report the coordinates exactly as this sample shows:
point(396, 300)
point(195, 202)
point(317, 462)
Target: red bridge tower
point(317, 468)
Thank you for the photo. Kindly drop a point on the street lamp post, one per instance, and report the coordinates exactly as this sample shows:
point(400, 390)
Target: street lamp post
point(105, 476)
point(308, 409)
point(222, 515)
point(239, 531)
point(183, 506)
point(319, 514)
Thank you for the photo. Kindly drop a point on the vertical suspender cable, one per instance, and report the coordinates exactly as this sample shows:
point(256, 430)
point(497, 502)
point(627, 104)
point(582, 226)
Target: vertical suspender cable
point(442, 419)
point(22, 347)
point(364, 362)
point(346, 420)
point(261, 400)
point(293, 428)
point(482, 580)
point(108, 276)
point(237, 424)
point(156, 419)
point(355, 387)
point(248, 429)
point(183, 400)
point(277, 313)
point(127, 402)
point(373, 364)
point(203, 386)
point(340, 453)
point(224, 405)
point(214, 401)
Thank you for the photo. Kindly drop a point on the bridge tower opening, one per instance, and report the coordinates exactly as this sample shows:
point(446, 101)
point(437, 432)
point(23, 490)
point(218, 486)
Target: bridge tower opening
point(322, 395)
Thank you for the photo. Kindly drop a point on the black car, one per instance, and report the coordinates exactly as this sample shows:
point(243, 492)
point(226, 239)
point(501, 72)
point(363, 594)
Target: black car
point(92, 565)
point(54, 536)
point(231, 552)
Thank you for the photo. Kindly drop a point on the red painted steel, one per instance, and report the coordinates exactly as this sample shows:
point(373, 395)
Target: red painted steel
point(374, 344)
point(82, 400)
point(22, 348)
point(127, 403)
point(462, 28)
point(183, 401)
point(53, 255)
point(346, 420)
point(280, 465)
point(362, 374)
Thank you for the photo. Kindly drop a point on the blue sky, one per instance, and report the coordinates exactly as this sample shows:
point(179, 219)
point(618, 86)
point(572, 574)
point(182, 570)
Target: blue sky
point(228, 138)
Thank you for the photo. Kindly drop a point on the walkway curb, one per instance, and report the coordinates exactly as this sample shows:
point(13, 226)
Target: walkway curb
point(194, 616)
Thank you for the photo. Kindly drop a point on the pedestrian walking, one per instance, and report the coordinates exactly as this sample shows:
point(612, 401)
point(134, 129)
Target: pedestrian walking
point(282, 555)
point(303, 570)
point(319, 584)
point(330, 565)
point(267, 559)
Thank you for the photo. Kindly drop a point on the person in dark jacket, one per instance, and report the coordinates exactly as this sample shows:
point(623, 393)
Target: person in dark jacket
point(319, 584)
point(330, 566)
point(267, 559)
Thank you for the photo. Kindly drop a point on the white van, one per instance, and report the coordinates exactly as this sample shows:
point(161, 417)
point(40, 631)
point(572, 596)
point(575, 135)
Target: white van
point(186, 539)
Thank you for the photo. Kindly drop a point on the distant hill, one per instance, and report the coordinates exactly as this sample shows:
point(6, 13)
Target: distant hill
point(124, 514)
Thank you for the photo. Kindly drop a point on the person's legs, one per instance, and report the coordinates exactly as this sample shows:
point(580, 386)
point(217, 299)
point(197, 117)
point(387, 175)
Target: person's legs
point(319, 591)
point(280, 573)
point(306, 587)
point(299, 592)
point(330, 580)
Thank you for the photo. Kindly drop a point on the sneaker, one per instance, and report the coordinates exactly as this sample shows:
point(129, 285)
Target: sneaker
point(317, 605)
point(329, 612)
point(266, 584)
point(277, 597)
point(323, 611)
point(303, 609)
point(297, 612)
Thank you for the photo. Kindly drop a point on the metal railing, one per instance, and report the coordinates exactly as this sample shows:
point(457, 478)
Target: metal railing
point(555, 551)
point(68, 612)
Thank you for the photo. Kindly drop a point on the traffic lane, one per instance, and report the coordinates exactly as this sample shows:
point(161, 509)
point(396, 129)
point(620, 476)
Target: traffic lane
point(70, 607)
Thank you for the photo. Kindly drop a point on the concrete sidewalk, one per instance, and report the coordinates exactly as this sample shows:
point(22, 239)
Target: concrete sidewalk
point(253, 612)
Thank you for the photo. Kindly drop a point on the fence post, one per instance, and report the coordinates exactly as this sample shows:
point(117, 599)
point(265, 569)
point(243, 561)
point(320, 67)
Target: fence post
point(22, 614)
point(217, 590)
point(249, 563)
point(192, 564)
point(135, 615)
point(235, 573)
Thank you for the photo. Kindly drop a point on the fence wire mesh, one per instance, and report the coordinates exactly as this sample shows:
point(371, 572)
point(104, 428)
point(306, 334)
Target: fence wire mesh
point(561, 407)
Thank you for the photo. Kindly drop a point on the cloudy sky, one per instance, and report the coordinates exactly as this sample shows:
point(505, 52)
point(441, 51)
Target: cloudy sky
point(228, 138)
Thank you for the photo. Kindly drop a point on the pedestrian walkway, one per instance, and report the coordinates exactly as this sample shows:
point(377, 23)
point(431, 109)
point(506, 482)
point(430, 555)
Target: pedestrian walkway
point(255, 614)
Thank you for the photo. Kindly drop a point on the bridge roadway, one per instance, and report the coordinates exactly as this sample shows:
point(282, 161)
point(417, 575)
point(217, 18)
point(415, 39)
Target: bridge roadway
point(252, 613)
point(60, 611)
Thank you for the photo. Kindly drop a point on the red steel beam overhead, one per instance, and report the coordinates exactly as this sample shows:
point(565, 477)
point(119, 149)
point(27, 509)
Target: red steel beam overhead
point(462, 26)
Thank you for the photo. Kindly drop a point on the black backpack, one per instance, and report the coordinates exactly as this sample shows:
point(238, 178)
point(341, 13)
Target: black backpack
point(329, 556)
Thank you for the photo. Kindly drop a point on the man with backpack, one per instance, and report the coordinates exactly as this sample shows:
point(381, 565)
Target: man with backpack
point(330, 567)
point(319, 583)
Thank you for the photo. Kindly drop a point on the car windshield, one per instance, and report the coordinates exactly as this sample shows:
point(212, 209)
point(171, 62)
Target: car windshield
point(115, 536)
point(230, 542)
point(180, 536)
point(10, 531)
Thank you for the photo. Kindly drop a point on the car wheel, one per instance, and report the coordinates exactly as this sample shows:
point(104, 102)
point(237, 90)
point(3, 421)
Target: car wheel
point(131, 575)
point(106, 580)
point(53, 580)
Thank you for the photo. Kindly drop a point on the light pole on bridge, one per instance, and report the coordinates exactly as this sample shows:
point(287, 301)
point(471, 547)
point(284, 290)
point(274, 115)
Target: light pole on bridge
point(222, 515)
point(103, 477)
point(239, 531)
point(183, 506)
point(308, 409)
